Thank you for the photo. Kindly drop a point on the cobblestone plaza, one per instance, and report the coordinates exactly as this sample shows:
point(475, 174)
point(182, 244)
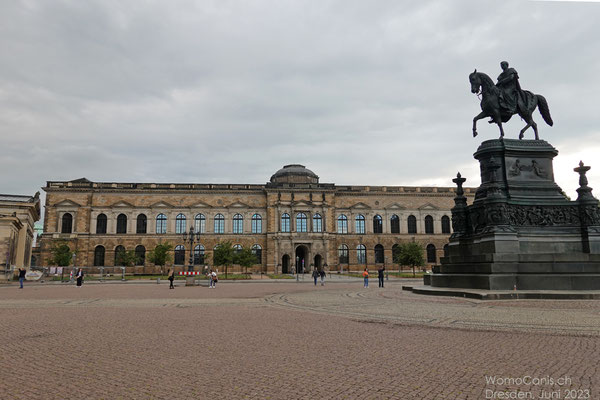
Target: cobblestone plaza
point(293, 340)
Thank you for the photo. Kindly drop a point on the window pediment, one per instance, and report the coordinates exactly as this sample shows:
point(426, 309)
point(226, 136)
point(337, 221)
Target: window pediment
point(200, 204)
point(67, 203)
point(360, 206)
point(395, 206)
point(301, 203)
point(122, 204)
point(238, 204)
point(161, 204)
point(428, 206)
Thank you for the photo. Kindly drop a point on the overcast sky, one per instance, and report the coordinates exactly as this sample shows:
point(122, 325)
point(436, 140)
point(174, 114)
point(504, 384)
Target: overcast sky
point(361, 92)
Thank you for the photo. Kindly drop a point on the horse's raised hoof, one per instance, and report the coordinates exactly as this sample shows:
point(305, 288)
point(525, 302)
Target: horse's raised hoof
point(474, 133)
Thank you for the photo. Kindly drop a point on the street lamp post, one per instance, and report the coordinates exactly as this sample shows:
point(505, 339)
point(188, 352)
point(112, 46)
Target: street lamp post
point(387, 276)
point(191, 238)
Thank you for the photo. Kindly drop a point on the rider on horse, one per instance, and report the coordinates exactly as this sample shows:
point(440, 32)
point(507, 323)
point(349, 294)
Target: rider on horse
point(502, 100)
point(511, 98)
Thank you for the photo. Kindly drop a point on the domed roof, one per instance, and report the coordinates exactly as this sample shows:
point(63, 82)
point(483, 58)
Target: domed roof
point(294, 173)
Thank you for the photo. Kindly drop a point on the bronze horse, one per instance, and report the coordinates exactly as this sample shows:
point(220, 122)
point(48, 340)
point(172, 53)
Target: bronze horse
point(490, 105)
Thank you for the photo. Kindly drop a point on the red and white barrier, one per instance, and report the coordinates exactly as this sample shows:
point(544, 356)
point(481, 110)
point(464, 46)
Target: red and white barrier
point(191, 273)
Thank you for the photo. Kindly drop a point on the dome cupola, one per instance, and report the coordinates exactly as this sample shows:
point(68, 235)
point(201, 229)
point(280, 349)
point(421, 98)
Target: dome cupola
point(294, 173)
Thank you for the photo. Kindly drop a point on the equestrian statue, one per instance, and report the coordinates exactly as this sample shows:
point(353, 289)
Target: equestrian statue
point(502, 100)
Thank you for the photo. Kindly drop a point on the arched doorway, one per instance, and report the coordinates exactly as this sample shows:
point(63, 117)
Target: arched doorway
point(301, 255)
point(318, 261)
point(285, 264)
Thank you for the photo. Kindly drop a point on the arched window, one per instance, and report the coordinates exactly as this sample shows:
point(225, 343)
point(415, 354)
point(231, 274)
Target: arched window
point(161, 223)
point(199, 255)
point(142, 223)
point(285, 222)
point(238, 223)
point(395, 224)
point(343, 254)
point(431, 256)
point(122, 223)
point(377, 224)
point(412, 224)
point(378, 254)
point(359, 224)
point(446, 250)
point(301, 223)
point(200, 223)
point(67, 223)
point(256, 223)
point(361, 254)
point(119, 254)
point(317, 223)
point(257, 251)
point(179, 258)
point(219, 223)
point(395, 253)
point(99, 252)
point(342, 224)
point(180, 223)
point(445, 224)
point(140, 255)
point(237, 248)
point(429, 224)
point(101, 223)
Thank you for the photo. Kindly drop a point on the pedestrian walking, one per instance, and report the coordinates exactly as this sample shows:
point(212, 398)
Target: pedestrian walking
point(214, 279)
point(366, 277)
point(210, 278)
point(79, 277)
point(171, 278)
point(315, 275)
point(22, 273)
point(322, 274)
point(380, 272)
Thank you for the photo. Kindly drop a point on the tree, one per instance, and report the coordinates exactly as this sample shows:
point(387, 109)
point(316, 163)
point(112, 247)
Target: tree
point(223, 255)
point(61, 255)
point(245, 257)
point(161, 254)
point(127, 258)
point(410, 253)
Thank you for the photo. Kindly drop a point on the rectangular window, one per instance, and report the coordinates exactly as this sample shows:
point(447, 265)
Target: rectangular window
point(317, 225)
point(237, 225)
point(161, 226)
point(200, 225)
point(256, 225)
point(342, 226)
point(219, 226)
point(360, 226)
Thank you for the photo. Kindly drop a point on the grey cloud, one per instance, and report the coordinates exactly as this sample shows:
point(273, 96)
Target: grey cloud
point(229, 91)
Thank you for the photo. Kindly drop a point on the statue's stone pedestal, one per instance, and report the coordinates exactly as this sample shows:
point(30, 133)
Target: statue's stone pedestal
point(521, 230)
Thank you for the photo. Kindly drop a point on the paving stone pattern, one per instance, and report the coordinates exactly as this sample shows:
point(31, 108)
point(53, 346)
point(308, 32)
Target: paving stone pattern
point(285, 341)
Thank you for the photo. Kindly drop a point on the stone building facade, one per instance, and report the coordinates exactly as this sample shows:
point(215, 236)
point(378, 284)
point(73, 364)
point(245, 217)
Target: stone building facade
point(291, 222)
point(18, 215)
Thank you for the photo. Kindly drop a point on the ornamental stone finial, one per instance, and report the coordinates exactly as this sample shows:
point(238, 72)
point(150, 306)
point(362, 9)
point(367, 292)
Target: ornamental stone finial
point(584, 192)
point(459, 180)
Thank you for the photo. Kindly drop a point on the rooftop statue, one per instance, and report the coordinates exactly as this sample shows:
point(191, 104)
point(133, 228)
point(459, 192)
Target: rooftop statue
point(502, 100)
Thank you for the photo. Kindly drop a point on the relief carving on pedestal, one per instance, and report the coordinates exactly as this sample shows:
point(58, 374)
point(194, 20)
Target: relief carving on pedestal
point(516, 168)
point(517, 215)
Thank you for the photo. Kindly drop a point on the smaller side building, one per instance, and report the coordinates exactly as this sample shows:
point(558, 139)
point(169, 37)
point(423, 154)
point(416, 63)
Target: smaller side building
point(18, 215)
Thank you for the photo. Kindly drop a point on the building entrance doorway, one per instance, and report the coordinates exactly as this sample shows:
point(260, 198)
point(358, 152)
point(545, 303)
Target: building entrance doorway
point(318, 261)
point(301, 254)
point(285, 264)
